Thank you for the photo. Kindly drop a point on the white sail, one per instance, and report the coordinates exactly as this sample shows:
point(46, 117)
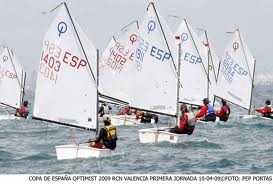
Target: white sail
point(12, 79)
point(236, 72)
point(193, 68)
point(213, 66)
point(154, 87)
point(116, 63)
point(66, 90)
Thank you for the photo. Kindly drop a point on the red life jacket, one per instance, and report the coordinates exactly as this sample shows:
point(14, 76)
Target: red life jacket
point(22, 110)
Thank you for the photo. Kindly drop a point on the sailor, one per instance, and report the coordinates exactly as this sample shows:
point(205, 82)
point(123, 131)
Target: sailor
point(125, 111)
point(23, 110)
point(107, 137)
point(224, 112)
point(146, 117)
point(267, 110)
point(186, 123)
point(104, 109)
point(207, 112)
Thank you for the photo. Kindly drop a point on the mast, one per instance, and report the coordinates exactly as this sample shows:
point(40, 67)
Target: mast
point(252, 87)
point(178, 80)
point(208, 63)
point(97, 117)
point(22, 87)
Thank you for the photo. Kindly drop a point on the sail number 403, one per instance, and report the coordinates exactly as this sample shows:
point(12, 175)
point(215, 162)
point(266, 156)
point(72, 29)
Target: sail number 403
point(53, 57)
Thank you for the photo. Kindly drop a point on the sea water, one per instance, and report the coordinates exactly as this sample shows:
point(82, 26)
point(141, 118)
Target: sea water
point(238, 146)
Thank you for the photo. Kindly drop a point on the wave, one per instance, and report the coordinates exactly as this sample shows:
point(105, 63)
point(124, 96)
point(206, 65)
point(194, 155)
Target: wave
point(204, 143)
point(40, 156)
point(6, 156)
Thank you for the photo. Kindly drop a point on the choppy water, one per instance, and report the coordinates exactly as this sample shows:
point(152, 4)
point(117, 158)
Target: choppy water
point(237, 146)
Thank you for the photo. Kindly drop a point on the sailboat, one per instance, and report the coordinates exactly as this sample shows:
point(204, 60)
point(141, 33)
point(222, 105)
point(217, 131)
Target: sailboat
point(196, 76)
point(236, 73)
point(194, 79)
point(114, 72)
point(213, 64)
point(12, 82)
point(155, 71)
point(66, 87)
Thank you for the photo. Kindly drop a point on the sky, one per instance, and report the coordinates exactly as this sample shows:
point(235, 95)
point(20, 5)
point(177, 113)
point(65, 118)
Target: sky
point(23, 25)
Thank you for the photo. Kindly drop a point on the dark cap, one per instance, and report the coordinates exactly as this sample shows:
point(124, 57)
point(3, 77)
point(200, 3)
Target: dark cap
point(183, 107)
point(267, 102)
point(25, 103)
point(206, 101)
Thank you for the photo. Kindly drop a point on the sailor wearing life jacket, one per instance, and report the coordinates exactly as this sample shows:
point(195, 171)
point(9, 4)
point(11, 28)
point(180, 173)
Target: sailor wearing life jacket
point(23, 111)
point(108, 135)
point(207, 112)
point(104, 109)
point(224, 112)
point(186, 123)
point(267, 110)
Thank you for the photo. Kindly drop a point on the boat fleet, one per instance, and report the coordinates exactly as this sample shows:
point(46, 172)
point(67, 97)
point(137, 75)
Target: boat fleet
point(145, 66)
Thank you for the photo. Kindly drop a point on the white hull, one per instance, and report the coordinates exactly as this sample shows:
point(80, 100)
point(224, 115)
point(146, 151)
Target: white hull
point(250, 116)
point(8, 117)
point(129, 120)
point(73, 151)
point(155, 135)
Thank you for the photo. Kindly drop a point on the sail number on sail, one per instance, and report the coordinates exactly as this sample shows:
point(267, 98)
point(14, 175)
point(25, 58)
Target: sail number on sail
point(6, 73)
point(52, 58)
point(118, 57)
point(191, 58)
point(230, 67)
point(143, 47)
